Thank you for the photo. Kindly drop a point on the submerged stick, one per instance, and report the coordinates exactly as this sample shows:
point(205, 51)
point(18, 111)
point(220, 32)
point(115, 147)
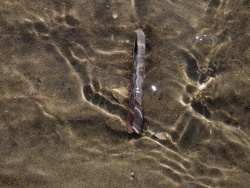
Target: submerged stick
point(135, 115)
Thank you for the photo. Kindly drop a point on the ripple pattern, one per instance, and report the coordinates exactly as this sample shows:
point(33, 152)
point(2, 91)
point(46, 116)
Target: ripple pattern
point(60, 126)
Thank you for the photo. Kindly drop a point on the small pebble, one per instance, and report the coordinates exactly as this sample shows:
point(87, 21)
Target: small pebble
point(121, 94)
point(112, 37)
point(132, 176)
point(114, 15)
point(161, 135)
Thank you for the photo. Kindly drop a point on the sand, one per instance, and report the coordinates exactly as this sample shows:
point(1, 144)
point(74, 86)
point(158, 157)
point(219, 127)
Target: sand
point(60, 125)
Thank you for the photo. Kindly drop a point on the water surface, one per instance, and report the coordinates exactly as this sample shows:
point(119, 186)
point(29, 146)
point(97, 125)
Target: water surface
point(60, 126)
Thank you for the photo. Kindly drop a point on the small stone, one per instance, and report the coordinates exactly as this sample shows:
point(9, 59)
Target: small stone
point(114, 15)
point(161, 135)
point(132, 176)
point(121, 94)
point(112, 37)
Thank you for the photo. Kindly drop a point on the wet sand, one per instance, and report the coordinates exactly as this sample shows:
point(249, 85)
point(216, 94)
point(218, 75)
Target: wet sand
point(60, 125)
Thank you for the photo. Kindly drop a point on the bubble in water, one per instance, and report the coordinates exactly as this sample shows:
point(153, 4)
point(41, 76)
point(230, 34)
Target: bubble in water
point(205, 41)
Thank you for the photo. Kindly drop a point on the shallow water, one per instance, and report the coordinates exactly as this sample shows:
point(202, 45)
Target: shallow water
point(60, 126)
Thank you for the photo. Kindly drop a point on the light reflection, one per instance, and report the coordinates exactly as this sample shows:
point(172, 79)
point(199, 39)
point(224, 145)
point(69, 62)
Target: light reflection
point(153, 88)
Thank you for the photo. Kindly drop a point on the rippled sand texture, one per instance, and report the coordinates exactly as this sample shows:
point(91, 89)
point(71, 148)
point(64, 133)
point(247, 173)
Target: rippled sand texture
point(60, 125)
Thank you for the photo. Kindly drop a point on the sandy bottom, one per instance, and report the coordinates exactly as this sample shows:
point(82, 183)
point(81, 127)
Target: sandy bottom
point(60, 126)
